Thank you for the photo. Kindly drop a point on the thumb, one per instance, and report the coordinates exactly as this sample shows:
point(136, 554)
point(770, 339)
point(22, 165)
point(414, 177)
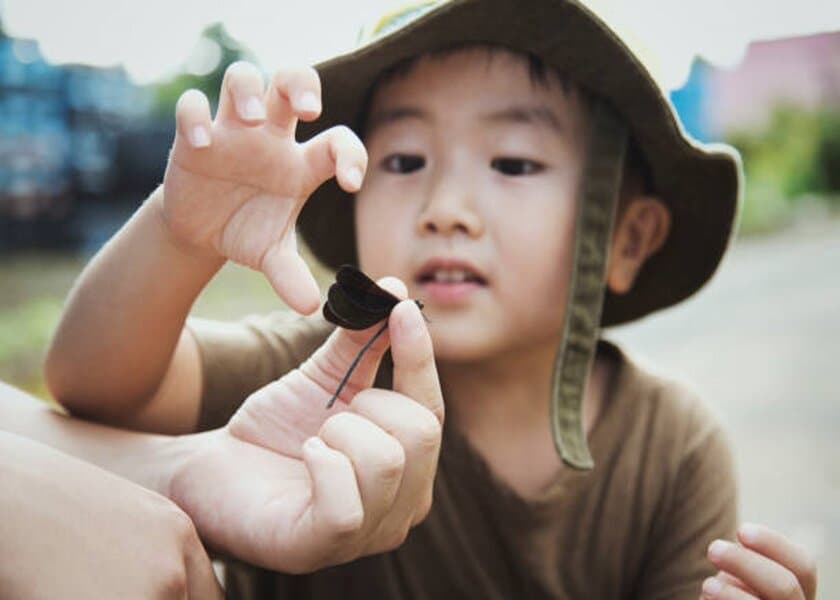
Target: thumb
point(290, 276)
point(330, 362)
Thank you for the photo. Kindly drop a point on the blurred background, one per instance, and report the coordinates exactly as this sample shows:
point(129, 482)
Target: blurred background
point(87, 94)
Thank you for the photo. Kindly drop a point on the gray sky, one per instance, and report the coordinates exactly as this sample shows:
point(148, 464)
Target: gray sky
point(154, 38)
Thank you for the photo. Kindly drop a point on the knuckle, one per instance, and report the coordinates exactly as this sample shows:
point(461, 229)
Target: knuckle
point(424, 508)
point(343, 137)
point(183, 526)
point(345, 525)
point(396, 538)
point(391, 462)
point(427, 431)
point(336, 424)
point(173, 581)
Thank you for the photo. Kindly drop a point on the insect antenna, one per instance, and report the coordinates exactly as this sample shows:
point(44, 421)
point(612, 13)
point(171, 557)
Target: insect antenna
point(355, 362)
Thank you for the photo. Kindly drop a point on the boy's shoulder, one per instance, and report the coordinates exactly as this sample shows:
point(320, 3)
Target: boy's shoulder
point(666, 417)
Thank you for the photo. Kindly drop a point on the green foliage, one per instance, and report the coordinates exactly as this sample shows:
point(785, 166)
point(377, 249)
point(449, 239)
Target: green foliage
point(795, 157)
point(166, 94)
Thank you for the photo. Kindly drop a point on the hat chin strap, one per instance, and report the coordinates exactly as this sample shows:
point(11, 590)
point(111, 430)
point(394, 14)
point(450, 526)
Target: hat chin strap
point(597, 202)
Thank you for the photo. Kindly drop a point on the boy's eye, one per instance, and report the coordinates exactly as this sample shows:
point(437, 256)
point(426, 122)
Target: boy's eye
point(403, 163)
point(516, 166)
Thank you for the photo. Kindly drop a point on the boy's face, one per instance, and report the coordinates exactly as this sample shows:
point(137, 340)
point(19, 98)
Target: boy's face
point(471, 161)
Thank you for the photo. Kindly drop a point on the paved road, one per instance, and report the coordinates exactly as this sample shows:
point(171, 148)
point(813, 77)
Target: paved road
point(761, 344)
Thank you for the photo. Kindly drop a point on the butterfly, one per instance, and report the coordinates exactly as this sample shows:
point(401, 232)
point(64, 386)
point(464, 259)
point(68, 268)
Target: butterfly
point(355, 302)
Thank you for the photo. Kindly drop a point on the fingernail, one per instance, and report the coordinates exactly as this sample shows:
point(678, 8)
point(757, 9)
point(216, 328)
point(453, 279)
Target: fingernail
point(308, 102)
point(251, 109)
point(711, 587)
point(410, 322)
point(749, 532)
point(718, 548)
point(353, 175)
point(199, 137)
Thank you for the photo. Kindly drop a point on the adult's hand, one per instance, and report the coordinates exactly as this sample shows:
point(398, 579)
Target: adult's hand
point(69, 529)
point(291, 486)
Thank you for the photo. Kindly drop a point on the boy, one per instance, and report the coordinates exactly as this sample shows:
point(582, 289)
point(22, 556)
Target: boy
point(496, 161)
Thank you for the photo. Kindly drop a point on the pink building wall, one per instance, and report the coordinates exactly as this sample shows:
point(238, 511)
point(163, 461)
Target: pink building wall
point(804, 71)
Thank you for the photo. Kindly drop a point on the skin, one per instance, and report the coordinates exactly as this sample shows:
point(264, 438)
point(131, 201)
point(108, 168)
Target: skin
point(50, 501)
point(351, 484)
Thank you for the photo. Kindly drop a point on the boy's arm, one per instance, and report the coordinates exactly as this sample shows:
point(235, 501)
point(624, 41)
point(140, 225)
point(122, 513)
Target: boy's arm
point(233, 189)
point(120, 353)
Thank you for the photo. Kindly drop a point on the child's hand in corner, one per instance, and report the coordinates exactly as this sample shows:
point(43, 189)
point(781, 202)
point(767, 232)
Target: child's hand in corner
point(234, 185)
point(765, 565)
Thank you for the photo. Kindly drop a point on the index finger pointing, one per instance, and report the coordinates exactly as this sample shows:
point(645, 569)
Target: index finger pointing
point(415, 373)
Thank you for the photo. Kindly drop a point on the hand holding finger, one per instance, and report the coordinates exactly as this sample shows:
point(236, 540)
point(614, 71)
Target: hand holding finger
point(328, 365)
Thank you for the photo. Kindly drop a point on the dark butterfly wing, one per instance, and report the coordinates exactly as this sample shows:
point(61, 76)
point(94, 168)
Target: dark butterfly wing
point(363, 291)
point(339, 309)
point(330, 316)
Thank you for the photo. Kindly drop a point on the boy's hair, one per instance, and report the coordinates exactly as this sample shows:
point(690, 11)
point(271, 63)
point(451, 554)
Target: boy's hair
point(636, 177)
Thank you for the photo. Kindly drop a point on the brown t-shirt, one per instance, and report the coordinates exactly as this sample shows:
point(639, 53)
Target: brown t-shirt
point(636, 526)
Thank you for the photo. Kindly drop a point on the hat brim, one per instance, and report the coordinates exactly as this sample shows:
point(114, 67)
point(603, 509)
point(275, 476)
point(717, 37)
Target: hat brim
point(701, 184)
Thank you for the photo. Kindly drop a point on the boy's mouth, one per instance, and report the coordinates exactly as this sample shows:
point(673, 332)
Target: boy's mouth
point(449, 280)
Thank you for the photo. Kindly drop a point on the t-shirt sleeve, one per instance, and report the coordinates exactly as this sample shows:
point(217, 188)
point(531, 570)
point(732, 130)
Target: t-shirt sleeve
point(701, 506)
point(237, 358)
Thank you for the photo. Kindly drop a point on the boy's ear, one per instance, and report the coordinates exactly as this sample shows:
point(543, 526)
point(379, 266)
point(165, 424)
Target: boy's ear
point(640, 231)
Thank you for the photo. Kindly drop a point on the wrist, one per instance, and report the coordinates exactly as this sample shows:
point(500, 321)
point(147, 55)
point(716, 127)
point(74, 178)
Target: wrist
point(206, 259)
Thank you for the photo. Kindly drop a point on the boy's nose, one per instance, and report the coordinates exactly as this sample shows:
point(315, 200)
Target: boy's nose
point(449, 209)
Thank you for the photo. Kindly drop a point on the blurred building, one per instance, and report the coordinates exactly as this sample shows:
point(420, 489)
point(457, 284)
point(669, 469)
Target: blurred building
point(60, 135)
point(802, 72)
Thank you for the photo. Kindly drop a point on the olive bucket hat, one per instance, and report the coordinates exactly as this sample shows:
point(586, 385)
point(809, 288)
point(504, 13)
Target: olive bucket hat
point(700, 184)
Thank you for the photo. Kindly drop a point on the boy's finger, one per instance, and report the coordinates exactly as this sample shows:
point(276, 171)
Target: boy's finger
point(378, 461)
point(778, 548)
point(716, 588)
point(330, 362)
point(290, 276)
point(335, 152)
point(768, 578)
point(732, 580)
point(336, 502)
point(294, 92)
point(415, 372)
point(192, 119)
point(241, 97)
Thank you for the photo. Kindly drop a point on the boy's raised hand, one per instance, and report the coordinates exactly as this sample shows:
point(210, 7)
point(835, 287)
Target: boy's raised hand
point(293, 487)
point(235, 185)
point(764, 565)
